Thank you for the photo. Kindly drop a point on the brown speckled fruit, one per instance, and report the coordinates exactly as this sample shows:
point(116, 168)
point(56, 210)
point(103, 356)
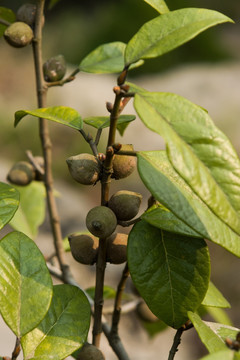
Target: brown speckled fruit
point(84, 248)
point(117, 248)
point(125, 204)
point(27, 13)
point(101, 221)
point(124, 165)
point(84, 168)
point(90, 352)
point(145, 313)
point(22, 173)
point(54, 69)
point(18, 34)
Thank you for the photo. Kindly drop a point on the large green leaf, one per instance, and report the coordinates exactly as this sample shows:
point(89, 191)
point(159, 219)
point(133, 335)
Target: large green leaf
point(209, 338)
point(223, 355)
point(25, 283)
point(197, 149)
point(170, 271)
point(170, 30)
point(63, 330)
point(101, 122)
point(7, 15)
point(60, 114)
point(158, 5)
point(9, 201)
point(215, 298)
point(169, 188)
point(31, 212)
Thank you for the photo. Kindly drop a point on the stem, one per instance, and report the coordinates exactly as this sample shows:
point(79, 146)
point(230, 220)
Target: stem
point(5, 22)
point(62, 82)
point(45, 138)
point(16, 350)
point(176, 342)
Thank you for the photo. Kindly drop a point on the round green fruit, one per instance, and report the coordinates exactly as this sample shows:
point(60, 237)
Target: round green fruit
point(54, 69)
point(84, 168)
point(124, 165)
point(22, 173)
point(84, 248)
point(117, 248)
point(101, 221)
point(90, 352)
point(18, 34)
point(125, 204)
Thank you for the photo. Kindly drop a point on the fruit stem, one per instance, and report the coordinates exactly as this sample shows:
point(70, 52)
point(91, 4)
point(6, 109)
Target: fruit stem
point(4, 22)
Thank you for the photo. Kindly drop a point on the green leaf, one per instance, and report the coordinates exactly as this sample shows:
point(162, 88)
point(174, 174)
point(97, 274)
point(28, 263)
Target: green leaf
point(158, 5)
point(219, 315)
point(198, 151)
point(163, 218)
point(223, 331)
point(61, 114)
point(168, 187)
point(170, 30)
point(106, 59)
point(214, 298)
point(25, 283)
point(7, 15)
point(211, 340)
point(31, 212)
point(63, 330)
point(223, 355)
point(102, 122)
point(9, 202)
point(108, 292)
point(170, 271)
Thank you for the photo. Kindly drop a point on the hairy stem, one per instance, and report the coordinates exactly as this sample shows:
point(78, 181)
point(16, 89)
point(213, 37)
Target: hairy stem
point(45, 138)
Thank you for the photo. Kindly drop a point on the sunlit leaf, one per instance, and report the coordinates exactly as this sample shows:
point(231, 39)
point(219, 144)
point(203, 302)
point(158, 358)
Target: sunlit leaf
point(101, 122)
point(9, 202)
point(158, 5)
point(223, 355)
point(219, 315)
point(214, 297)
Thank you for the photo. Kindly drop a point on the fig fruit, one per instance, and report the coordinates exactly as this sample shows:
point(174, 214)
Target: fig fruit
point(18, 34)
point(84, 168)
point(54, 68)
point(101, 221)
point(145, 313)
point(124, 165)
point(90, 352)
point(84, 248)
point(22, 173)
point(125, 204)
point(117, 248)
point(27, 13)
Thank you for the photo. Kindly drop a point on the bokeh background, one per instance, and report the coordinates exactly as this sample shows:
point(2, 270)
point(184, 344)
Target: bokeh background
point(205, 70)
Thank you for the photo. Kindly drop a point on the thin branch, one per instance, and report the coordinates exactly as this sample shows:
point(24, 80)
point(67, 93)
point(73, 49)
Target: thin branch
point(129, 223)
point(4, 22)
point(17, 349)
point(177, 339)
point(62, 82)
point(89, 140)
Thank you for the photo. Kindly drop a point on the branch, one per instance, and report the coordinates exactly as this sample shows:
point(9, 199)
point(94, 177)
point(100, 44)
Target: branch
point(4, 22)
point(177, 339)
point(16, 350)
point(62, 82)
point(89, 140)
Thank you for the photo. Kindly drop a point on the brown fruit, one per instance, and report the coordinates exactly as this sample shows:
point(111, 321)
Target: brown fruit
point(145, 313)
point(125, 204)
point(101, 221)
point(84, 168)
point(27, 13)
point(124, 165)
point(18, 34)
point(84, 248)
point(54, 69)
point(117, 248)
point(90, 352)
point(22, 173)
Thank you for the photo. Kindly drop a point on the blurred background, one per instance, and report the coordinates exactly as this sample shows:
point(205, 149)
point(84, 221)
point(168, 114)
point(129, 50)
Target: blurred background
point(205, 70)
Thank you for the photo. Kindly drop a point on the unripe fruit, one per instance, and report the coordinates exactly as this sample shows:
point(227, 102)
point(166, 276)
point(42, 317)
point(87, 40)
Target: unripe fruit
point(101, 221)
point(84, 168)
point(54, 69)
point(125, 204)
point(18, 34)
point(22, 173)
point(90, 352)
point(27, 13)
point(124, 165)
point(84, 248)
point(117, 248)
point(145, 313)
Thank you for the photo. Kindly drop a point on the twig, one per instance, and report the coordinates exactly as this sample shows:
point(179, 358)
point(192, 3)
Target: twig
point(16, 350)
point(129, 223)
point(45, 138)
point(62, 82)
point(89, 139)
point(177, 340)
point(4, 22)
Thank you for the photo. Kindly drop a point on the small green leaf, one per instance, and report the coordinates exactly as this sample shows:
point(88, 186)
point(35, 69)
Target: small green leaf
point(223, 355)
point(163, 218)
point(169, 189)
point(7, 15)
point(101, 122)
point(214, 298)
point(106, 59)
point(31, 212)
point(108, 292)
point(170, 271)
point(25, 283)
point(158, 5)
point(223, 331)
point(9, 202)
point(63, 330)
point(208, 337)
point(61, 114)
point(170, 30)
point(219, 315)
